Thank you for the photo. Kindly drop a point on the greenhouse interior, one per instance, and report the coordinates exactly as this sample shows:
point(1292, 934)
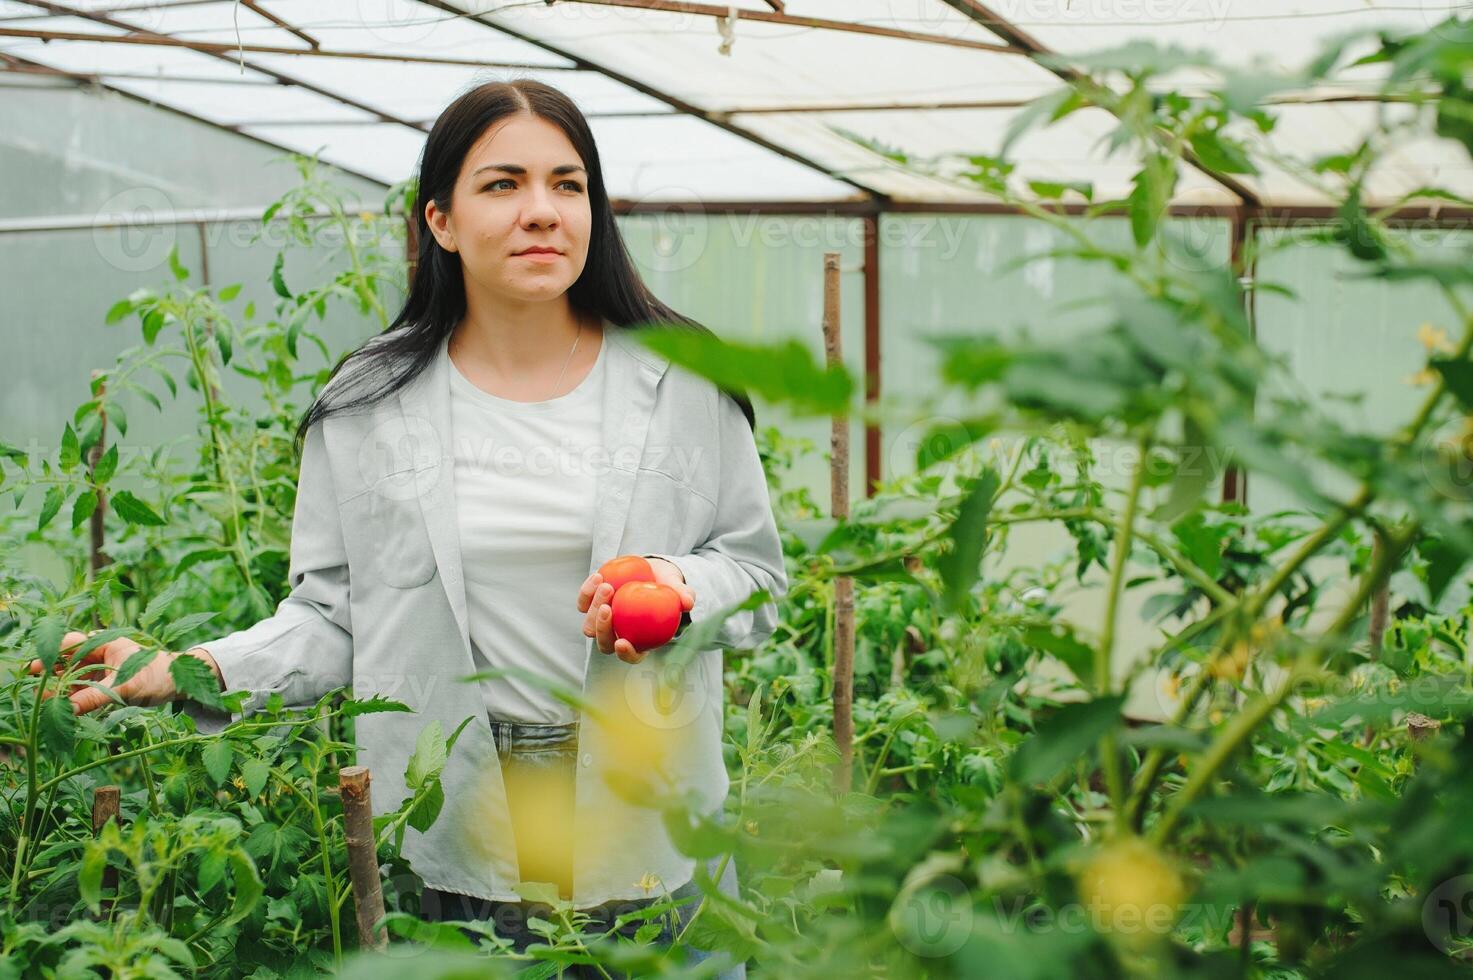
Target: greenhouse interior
point(1083, 588)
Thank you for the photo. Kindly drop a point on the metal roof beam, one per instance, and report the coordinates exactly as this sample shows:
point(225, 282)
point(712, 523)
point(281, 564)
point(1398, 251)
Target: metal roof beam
point(1004, 29)
point(213, 48)
point(815, 23)
point(675, 102)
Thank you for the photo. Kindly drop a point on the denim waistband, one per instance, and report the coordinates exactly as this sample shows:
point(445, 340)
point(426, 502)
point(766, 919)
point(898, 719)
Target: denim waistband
point(519, 737)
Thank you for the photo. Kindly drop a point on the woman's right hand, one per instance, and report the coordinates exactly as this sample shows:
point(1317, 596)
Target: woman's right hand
point(152, 685)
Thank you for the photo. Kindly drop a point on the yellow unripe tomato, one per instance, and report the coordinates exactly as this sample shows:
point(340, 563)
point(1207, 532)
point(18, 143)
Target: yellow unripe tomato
point(1132, 892)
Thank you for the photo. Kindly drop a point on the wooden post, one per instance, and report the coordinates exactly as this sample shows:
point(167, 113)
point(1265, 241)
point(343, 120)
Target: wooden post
point(368, 895)
point(105, 808)
point(843, 637)
point(96, 559)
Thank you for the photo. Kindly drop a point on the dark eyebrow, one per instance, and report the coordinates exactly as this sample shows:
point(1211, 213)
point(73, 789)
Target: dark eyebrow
point(512, 168)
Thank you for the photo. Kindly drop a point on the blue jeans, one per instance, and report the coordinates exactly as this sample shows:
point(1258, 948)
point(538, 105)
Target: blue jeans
point(539, 766)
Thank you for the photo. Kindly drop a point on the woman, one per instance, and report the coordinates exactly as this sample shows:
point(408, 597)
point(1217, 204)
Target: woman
point(436, 535)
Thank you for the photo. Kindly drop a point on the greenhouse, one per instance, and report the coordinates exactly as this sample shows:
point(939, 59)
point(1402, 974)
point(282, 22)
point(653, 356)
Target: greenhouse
point(995, 488)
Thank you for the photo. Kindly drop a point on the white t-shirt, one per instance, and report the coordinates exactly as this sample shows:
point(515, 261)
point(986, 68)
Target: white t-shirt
point(525, 488)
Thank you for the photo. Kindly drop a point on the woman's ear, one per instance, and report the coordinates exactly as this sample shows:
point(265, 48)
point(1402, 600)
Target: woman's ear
point(439, 222)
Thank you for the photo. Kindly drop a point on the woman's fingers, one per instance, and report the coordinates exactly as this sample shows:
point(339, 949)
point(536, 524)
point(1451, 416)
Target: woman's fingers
point(597, 604)
point(585, 594)
point(90, 698)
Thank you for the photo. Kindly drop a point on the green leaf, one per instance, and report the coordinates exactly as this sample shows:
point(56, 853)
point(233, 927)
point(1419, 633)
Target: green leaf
point(217, 757)
point(55, 497)
point(71, 449)
point(1458, 375)
point(46, 636)
point(1064, 737)
point(354, 707)
point(106, 466)
point(58, 727)
point(1060, 641)
point(248, 886)
point(153, 322)
point(946, 440)
point(185, 625)
point(1151, 192)
point(138, 660)
point(195, 680)
point(781, 373)
point(1356, 232)
point(118, 415)
point(135, 511)
point(1220, 154)
point(255, 773)
point(431, 800)
point(1443, 565)
point(228, 293)
point(160, 602)
point(960, 566)
point(277, 282)
point(118, 310)
point(430, 754)
point(89, 875)
point(180, 273)
point(83, 507)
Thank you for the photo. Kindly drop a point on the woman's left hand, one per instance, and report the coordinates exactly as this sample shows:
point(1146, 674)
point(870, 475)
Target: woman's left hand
point(595, 597)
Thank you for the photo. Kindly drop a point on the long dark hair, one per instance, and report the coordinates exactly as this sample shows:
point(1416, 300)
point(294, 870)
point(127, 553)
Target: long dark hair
point(609, 287)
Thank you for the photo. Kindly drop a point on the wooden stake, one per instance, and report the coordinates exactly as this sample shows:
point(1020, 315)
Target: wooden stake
point(843, 637)
point(368, 895)
point(105, 808)
point(96, 559)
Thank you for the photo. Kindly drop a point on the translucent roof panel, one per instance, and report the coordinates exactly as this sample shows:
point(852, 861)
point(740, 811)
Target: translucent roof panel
point(1065, 152)
point(779, 64)
point(737, 101)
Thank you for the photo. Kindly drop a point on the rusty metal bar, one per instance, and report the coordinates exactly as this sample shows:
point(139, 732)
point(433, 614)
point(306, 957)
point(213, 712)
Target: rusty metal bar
point(279, 22)
point(216, 48)
point(229, 53)
point(872, 454)
point(814, 23)
point(1000, 26)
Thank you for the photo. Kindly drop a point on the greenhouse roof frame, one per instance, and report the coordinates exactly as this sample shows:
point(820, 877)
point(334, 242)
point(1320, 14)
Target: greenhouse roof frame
point(698, 105)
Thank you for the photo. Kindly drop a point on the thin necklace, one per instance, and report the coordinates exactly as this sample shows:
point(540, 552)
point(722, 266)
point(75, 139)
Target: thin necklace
point(558, 384)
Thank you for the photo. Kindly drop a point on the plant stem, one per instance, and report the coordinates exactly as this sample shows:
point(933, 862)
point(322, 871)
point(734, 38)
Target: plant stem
point(1109, 757)
point(1307, 664)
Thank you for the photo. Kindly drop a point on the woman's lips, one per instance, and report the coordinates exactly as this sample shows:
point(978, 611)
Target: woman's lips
point(539, 256)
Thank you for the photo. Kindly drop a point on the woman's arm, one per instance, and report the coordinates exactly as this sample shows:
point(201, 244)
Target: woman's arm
point(305, 649)
point(743, 552)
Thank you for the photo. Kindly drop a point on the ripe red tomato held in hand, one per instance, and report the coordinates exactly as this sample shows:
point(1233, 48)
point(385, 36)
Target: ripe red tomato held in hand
point(646, 614)
point(626, 568)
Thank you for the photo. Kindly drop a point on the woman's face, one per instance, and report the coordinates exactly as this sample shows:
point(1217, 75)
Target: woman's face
point(522, 185)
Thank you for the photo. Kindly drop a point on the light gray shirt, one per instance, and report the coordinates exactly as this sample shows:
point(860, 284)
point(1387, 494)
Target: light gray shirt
point(526, 483)
point(379, 602)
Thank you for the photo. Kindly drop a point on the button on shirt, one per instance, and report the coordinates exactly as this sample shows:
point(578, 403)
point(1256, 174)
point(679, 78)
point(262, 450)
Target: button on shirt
point(526, 481)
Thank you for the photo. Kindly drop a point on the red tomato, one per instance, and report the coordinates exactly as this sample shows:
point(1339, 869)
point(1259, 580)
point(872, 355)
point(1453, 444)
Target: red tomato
point(646, 614)
point(626, 568)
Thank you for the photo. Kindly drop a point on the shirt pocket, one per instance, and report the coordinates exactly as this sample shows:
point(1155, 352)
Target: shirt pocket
point(664, 512)
point(392, 533)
